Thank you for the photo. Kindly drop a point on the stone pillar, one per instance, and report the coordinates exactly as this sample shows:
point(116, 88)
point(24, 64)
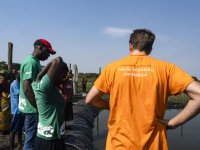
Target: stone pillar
point(75, 78)
point(10, 55)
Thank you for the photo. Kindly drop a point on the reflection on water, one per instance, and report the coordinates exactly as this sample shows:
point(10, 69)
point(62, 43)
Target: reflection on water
point(186, 137)
point(100, 138)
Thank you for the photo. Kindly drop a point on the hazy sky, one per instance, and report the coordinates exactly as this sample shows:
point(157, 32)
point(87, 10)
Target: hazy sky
point(93, 33)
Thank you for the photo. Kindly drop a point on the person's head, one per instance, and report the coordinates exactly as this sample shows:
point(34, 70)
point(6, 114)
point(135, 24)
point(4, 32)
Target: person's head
point(42, 49)
point(142, 40)
point(2, 74)
point(5, 74)
point(5, 81)
point(14, 71)
point(17, 75)
point(70, 74)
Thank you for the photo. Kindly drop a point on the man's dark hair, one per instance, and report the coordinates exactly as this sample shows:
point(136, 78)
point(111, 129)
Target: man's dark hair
point(17, 74)
point(142, 39)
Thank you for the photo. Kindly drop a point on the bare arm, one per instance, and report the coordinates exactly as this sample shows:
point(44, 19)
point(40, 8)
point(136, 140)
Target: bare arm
point(43, 71)
point(28, 92)
point(191, 109)
point(52, 69)
point(94, 98)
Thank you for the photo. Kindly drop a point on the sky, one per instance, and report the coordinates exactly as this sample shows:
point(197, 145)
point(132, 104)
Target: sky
point(94, 33)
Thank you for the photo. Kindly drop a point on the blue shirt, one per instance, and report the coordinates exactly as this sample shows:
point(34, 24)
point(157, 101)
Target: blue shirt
point(14, 96)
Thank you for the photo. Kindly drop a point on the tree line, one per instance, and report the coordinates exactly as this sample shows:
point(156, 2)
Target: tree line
point(90, 76)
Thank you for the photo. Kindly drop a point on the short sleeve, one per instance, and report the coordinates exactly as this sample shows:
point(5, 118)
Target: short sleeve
point(16, 89)
point(178, 80)
point(28, 71)
point(45, 84)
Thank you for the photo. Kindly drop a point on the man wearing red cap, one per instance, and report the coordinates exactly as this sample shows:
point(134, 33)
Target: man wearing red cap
point(29, 69)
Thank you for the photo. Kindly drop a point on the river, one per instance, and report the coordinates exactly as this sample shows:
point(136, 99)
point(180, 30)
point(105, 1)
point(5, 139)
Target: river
point(186, 137)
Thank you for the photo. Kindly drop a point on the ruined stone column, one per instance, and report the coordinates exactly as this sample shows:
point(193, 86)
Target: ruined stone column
point(10, 55)
point(75, 78)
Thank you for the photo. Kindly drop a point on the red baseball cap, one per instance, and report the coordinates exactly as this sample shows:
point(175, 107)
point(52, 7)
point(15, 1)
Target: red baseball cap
point(45, 43)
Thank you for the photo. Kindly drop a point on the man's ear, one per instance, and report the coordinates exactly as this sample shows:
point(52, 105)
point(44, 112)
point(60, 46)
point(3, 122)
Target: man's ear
point(131, 47)
point(149, 52)
point(40, 49)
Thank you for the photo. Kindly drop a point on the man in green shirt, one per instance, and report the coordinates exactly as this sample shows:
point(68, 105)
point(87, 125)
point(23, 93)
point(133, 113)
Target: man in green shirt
point(50, 104)
point(29, 69)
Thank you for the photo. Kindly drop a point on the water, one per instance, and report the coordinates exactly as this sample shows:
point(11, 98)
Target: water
point(186, 137)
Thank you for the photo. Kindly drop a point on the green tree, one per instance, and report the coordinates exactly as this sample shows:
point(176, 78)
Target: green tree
point(3, 65)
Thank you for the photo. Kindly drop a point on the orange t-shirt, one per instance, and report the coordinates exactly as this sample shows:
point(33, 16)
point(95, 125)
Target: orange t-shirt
point(139, 87)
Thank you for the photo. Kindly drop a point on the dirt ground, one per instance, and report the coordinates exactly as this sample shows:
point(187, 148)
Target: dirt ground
point(4, 141)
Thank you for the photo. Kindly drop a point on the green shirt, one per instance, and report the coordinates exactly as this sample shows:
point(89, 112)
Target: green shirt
point(29, 70)
point(50, 104)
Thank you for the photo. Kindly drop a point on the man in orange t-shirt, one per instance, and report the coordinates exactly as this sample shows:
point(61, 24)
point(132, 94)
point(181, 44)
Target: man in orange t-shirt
point(139, 87)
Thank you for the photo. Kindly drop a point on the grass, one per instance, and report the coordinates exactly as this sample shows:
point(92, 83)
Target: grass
point(181, 98)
